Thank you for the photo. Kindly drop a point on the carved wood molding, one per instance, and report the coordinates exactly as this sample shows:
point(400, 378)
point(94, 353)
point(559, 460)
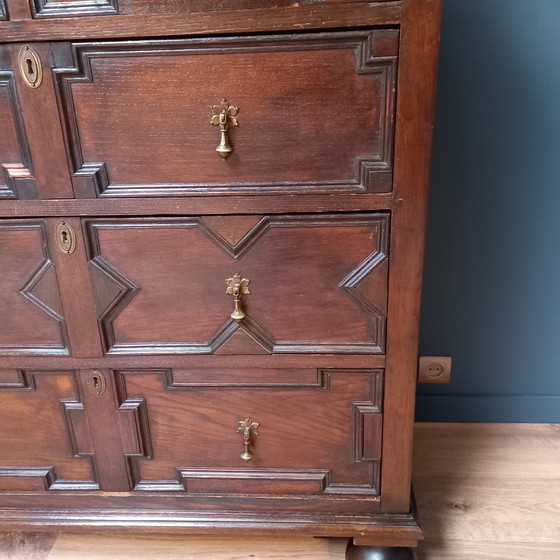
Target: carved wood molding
point(16, 179)
point(372, 173)
point(73, 8)
point(258, 337)
point(365, 424)
point(77, 431)
point(370, 523)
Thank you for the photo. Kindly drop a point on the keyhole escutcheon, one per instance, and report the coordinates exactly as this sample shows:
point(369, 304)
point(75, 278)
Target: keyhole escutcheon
point(30, 66)
point(65, 237)
point(96, 382)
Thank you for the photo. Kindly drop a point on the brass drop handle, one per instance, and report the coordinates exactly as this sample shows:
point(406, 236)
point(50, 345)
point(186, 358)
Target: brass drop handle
point(247, 428)
point(224, 115)
point(237, 287)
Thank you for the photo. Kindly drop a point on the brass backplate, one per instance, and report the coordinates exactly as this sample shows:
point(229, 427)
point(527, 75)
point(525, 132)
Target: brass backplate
point(65, 237)
point(96, 382)
point(30, 66)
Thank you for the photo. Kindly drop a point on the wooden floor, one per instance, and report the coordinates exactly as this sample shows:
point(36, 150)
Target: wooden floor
point(485, 492)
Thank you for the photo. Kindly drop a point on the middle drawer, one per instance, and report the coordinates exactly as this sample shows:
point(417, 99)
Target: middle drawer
point(240, 284)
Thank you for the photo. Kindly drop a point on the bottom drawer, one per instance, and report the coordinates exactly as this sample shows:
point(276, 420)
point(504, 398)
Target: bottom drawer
point(252, 431)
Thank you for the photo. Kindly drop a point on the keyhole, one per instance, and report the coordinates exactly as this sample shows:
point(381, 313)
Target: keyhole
point(64, 235)
point(30, 68)
point(96, 382)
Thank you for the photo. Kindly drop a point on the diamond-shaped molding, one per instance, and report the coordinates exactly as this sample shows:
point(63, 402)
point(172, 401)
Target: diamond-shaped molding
point(359, 276)
point(114, 291)
point(42, 290)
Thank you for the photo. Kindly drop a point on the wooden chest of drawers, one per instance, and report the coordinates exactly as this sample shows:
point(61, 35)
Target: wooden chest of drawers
point(211, 237)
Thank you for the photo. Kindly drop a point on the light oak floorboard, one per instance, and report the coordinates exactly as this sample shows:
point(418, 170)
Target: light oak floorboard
point(26, 546)
point(484, 550)
point(485, 492)
point(488, 490)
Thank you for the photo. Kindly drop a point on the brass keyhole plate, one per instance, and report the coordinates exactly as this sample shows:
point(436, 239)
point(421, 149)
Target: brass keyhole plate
point(65, 237)
point(96, 382)
point(30, 66)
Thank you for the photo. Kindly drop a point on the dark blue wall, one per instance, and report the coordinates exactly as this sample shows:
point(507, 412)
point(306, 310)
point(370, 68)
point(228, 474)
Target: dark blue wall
point(492, 278)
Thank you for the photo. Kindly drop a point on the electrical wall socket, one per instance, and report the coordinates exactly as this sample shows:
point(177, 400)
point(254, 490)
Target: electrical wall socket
point(434, 369)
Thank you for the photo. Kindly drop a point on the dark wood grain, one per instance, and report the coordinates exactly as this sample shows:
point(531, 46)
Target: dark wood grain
point(111, 470)
point(174, 457)
point(18, 9)
point(75, 292)
point(129, 137)
point(415, 105)
point(399, 528)
point(303, 208)
point(32, 315)
point(200, 361)
point(44, 132)
point(144, 7)
point(160, 284)
point(200, 205)
point(292, 18)
point(16, 176)
point(43, 445)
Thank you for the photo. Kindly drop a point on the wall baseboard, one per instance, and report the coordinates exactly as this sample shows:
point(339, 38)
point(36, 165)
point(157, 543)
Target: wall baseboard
point(488, 408)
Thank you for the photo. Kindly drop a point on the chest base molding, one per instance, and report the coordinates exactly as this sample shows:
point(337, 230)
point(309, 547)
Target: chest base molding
point(388, 529)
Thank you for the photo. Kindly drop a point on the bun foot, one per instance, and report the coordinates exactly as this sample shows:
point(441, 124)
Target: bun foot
point(354, 552)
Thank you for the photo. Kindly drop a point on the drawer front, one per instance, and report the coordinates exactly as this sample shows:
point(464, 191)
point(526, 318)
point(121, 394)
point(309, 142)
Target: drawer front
point(45, 442)
point(317, 283)
point(32, 317)
point(302, 114)
point(279, 432)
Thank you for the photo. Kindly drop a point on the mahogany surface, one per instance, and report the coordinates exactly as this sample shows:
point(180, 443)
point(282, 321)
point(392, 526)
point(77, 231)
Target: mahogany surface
point(288, 89)
point(308, 292)
point(123, 376)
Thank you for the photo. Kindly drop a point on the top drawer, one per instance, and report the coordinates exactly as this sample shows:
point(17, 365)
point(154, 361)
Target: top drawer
point(315, 114)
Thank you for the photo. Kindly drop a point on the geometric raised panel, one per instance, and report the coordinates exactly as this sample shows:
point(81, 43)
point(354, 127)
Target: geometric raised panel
point(16, 178)
point(286, 135)
point(318, 284)
point(73, 8)
point(32, 317)
point(45, 442)
point(181, 436)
